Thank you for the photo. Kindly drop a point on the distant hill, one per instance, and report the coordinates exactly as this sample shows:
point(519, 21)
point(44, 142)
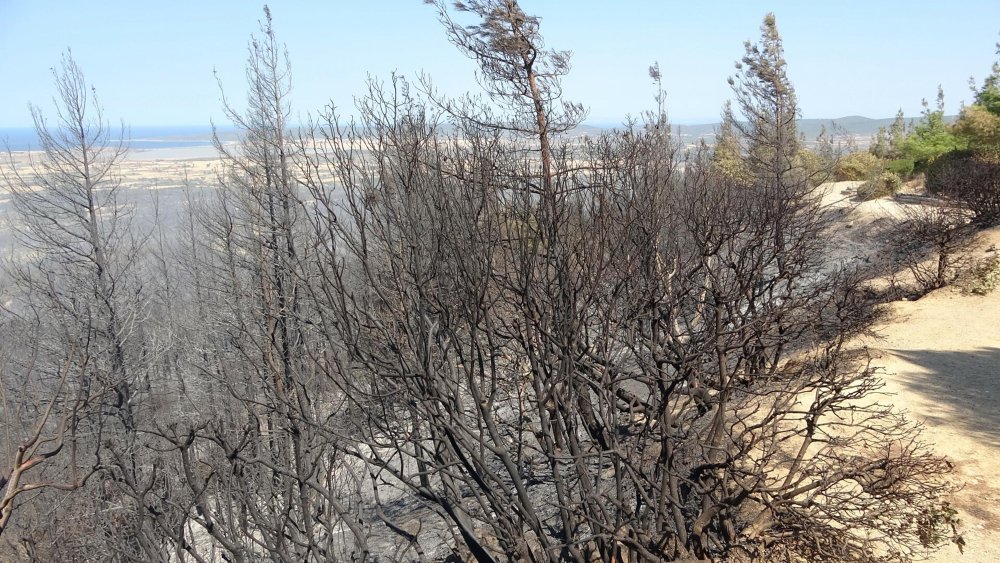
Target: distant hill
point(853, 126)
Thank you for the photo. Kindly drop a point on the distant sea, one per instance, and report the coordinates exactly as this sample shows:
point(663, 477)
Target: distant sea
point(139, 138)
point(144, 138)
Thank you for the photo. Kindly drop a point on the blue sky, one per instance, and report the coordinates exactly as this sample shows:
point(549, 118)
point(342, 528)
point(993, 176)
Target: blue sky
point(152, 62)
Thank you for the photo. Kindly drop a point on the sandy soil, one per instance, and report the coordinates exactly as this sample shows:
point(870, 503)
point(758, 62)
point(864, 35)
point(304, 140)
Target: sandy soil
point(940, 357)
point(148, 169)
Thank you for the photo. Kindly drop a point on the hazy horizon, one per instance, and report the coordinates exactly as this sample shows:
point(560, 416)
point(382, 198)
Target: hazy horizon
point(148, 136)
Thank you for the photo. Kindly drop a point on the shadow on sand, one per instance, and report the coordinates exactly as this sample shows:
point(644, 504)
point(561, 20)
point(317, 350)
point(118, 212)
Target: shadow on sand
point(965, 385)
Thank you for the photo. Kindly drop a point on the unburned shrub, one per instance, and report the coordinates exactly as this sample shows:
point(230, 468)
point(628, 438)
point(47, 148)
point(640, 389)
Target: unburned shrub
point(858, 166)
point(903, 167)
point(885, 184)
point(815, 166)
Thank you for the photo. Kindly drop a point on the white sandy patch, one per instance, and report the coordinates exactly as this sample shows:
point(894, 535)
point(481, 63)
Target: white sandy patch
point(203, 152)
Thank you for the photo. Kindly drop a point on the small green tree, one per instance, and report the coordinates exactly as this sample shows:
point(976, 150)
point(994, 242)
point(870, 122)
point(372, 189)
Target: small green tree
point(727, 154)
point(989, 95)
point(901, 166)
point(931, 137)
point(880, 146)
point(769, 109)
point(897, 132)
point(979, 124)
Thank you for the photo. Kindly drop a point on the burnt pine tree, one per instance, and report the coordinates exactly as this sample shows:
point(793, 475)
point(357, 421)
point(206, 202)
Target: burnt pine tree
point(262, 473)
point(75, 284)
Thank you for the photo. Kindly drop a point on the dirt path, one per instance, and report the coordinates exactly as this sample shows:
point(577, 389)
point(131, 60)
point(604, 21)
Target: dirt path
point(941, 356)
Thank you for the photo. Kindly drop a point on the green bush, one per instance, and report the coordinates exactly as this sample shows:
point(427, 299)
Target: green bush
point(902, 167)
point(931, 138)
point(972, 177)
point(885, 184)
point(924, 150)
point(978, 126)
point(858, 166)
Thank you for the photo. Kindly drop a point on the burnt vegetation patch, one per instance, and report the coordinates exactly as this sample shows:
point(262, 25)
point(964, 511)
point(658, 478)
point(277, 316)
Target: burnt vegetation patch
point(448, 330)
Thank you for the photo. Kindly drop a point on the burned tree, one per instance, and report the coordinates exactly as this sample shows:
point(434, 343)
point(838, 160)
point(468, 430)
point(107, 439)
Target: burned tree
point(74, 283)
point(41, 414)
point(933, 244)
point(259, 472)
point(577, 351)
point(71, 216)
